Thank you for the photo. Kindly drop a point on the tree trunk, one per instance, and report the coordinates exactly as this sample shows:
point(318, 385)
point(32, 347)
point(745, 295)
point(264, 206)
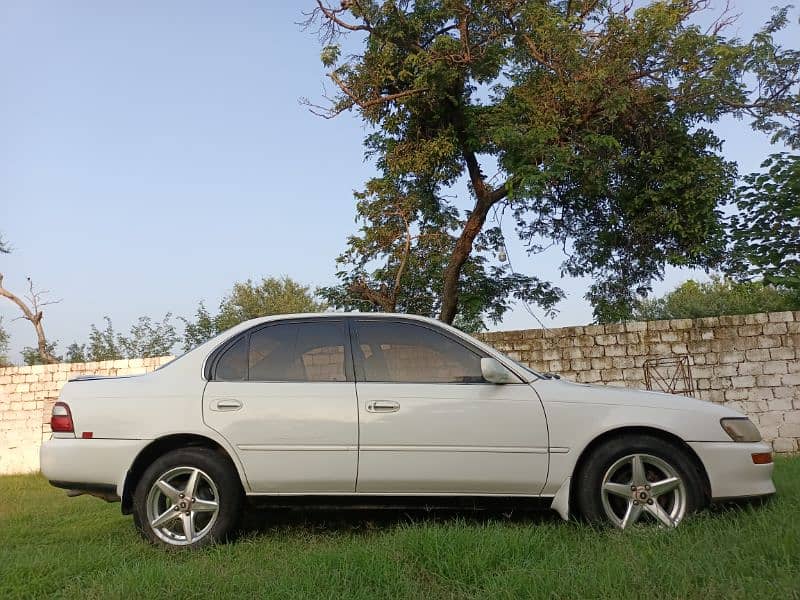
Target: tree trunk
point(460, 255)
point(34, 317)
point(485, 199)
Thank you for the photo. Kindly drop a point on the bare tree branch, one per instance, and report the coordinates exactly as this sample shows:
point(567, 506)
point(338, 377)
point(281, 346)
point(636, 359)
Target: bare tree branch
point(33, 314)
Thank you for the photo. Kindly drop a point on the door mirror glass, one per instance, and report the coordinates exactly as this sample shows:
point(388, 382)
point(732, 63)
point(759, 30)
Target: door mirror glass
point(494, 372)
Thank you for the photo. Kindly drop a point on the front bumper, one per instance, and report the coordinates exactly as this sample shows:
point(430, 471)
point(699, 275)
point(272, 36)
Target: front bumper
point(731, 471)
point(88, 464)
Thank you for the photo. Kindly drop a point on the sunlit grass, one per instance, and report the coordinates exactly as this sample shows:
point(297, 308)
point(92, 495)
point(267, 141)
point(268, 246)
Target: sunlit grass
point(51, 545)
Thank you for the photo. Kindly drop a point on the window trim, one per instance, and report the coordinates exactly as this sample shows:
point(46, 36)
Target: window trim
point(359, 369)
point(210, 370)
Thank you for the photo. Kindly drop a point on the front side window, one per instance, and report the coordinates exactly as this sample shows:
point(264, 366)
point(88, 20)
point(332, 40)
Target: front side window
point(409, 353)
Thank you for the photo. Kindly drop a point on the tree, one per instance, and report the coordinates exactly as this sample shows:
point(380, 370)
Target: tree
point(4, 362)
point(593, 115)
point(33, 356)
point(31, 307)
point(692, 300)
point(249, 300)
point(147, 338)
point(413, 260)
point(104, 344)
point(766, 230)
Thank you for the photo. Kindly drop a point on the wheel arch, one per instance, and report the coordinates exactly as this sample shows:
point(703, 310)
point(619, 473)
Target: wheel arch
point(161, 446)
point(638, 430)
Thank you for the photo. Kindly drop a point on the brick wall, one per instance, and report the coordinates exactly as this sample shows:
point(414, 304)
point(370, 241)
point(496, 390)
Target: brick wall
point(27, 395)
point(748, 362)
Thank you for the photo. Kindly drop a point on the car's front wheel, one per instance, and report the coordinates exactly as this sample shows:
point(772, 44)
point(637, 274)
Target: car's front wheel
point(189, 497)
point(638, 478)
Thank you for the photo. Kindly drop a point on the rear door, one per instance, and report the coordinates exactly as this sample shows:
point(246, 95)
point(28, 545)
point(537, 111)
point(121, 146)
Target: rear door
point(283, 395)
point(431, 424)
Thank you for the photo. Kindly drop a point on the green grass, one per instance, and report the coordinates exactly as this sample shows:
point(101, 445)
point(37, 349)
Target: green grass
point(54, 546)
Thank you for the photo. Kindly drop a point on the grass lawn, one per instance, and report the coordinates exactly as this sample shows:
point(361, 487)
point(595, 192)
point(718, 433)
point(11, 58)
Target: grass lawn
point(51, 545)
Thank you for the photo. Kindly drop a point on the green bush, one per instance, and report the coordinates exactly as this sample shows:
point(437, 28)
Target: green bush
point(693, 299)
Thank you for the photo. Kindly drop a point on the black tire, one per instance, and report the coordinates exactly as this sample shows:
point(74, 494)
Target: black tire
point(225, 490)
point(587, 483)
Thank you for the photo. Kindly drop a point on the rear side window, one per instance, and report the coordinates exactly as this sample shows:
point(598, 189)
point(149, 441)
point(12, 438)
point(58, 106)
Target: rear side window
point(303, 351)
point(409, 353)
point(232, 365)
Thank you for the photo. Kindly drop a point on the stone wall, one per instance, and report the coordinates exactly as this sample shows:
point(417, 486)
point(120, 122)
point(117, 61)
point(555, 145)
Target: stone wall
point(27, 395)
point(748, 362)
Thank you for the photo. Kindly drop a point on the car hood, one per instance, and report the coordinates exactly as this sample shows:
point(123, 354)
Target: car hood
point(561, 390)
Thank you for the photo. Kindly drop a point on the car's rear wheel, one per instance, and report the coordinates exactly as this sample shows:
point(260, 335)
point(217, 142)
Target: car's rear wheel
point(638, 479)
point(189, 497)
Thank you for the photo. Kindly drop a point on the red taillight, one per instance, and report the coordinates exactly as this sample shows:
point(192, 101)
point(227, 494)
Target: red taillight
point(762, 458)
point(61, 419)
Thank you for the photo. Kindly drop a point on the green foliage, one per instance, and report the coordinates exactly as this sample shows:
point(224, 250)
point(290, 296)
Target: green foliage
point(410, 233)
point(103, 344)
point(692, 300)
point(4, 338)
point(147, 338)
point(766, 230)
point(593, 115)
point(249, 300)
point(75, 353)
point(31, 356)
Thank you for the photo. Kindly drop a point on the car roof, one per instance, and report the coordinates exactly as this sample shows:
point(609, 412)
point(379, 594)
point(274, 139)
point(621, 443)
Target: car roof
point(339, 315)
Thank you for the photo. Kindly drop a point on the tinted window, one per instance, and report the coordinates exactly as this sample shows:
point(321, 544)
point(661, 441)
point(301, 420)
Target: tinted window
point(232, 365)
point(311, 351)
point(404, 352)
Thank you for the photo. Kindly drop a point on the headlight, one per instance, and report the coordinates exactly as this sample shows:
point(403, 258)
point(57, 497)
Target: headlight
point(741, 429)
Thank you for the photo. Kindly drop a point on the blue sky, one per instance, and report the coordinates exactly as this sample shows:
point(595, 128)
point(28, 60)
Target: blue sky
point(153, 153)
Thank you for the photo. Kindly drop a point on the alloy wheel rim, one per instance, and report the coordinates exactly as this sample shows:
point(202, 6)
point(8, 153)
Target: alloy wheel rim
point(640, 487)
point(182, 506)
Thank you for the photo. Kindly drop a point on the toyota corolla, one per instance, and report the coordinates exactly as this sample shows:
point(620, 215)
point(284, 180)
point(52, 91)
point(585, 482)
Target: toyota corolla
point(386, 408)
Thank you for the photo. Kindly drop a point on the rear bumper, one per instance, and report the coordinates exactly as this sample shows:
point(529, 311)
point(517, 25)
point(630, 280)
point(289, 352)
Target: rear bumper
point(731, 471)
point(88, 465)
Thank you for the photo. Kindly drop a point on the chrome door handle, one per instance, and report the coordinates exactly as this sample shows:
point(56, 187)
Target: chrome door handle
point(226, 404)
point(381, 406)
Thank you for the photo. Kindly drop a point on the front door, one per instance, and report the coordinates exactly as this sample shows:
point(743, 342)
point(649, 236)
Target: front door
point(430, 423)
point(283, 395)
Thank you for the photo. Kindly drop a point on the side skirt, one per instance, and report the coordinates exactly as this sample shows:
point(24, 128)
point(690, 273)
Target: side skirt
point(356, 502)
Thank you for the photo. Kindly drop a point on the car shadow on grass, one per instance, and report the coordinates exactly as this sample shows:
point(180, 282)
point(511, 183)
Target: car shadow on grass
point(347, 519)
point(265, 518)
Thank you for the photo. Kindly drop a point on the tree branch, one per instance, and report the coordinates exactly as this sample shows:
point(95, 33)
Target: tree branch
point(34, 315)
point(365, 104)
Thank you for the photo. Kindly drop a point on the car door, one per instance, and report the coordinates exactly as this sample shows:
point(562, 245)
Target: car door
point(283, 395)
point(430, 423)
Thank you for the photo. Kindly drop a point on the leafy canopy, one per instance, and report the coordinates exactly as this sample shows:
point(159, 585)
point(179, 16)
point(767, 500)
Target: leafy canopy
point(147, 338)
point(249, 300)
point(692, 300)
point(766, 229)
point(587, 120)
point(4, 362)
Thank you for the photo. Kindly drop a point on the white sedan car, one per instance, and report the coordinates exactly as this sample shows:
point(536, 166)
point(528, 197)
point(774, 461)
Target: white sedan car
point(385, 408)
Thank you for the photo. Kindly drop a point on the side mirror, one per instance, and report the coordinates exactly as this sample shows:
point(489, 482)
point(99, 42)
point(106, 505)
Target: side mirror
point(494, 372)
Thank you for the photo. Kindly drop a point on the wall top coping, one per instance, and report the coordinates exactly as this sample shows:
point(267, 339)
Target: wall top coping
point(632, 326)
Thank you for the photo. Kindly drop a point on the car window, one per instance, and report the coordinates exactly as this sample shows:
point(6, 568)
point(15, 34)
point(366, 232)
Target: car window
point(310, 351)
point(410, 353)
point(232, 365)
